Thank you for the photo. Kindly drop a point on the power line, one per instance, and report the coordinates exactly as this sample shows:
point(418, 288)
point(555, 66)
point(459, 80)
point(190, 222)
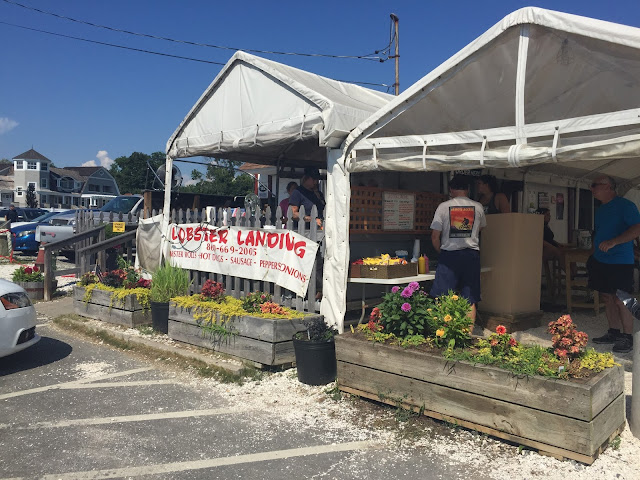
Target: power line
point(369, 56)
point(152, 52)
point(112, 44)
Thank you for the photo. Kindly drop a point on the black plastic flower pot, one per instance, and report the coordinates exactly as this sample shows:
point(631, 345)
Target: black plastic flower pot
point(316, 361)
point(160, 316)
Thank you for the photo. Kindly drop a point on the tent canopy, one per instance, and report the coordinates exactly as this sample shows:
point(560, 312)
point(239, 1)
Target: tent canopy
point(257, 111)
point(541, 90)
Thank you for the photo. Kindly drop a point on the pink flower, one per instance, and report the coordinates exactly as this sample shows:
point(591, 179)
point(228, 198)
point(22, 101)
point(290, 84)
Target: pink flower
point(406, 293)
point(561, 352)
point(395, 289)
point(501, 330)
point(405, 307)
point(494, 342)
point(414, 286)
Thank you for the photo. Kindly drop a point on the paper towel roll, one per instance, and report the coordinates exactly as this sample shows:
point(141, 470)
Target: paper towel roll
point(416, 250)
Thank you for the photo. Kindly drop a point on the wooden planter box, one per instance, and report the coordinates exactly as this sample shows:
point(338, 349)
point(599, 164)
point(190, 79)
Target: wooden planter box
point(262, 340)
point(573, 419)
point(130, 314)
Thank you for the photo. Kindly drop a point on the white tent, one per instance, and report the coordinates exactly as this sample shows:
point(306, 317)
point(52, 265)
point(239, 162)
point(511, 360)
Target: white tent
point(540, 91)
point(264, 112)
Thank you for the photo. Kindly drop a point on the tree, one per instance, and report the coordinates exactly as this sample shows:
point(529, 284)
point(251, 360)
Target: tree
point(32, 201)
point(221, 178)
point(132, 173)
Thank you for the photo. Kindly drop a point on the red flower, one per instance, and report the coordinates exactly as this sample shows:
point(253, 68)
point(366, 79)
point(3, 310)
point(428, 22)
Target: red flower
point(494, 342)
point(28, 270)
point(35, 268)
point(512, 342)
point(501, 330)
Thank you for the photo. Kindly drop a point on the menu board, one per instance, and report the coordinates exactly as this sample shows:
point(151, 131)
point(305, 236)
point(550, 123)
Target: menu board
point(398, 211)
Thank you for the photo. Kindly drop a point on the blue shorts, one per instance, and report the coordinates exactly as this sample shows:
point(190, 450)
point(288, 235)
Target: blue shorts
point(458, 270)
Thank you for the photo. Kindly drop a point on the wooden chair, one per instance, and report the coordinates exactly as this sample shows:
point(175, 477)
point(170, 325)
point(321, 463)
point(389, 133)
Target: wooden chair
point(578, 285)
point(553, 278)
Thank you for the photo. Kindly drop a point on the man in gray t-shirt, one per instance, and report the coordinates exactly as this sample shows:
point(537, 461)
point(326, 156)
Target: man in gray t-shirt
point(455, 234)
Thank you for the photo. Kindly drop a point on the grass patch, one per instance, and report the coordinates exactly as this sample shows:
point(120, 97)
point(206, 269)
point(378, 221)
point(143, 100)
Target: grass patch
point(183, 362)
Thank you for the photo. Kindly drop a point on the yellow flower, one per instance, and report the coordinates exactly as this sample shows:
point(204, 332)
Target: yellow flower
point(447, 318)
point(454, 297)
point(440, 333)
point(429, 310)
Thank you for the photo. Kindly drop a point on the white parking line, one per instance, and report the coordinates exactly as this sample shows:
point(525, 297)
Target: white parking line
point(122, 419)
point(83, 381)
point(211, 463)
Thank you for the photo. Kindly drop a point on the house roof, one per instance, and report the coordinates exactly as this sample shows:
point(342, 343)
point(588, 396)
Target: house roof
point(67, 172)
point(84, 172)
point(31, 155)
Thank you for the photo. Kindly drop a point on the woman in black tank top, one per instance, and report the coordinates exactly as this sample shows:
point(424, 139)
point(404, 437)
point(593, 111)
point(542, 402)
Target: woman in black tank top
point(491, 201)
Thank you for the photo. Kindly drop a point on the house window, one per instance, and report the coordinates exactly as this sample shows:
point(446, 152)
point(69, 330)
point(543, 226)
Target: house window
point(66, 183)
point(35, 185)
point(43, 183)
point(32, 165)
point(107, 189)
point(19, 164)
point(93, 188)
point(43, 198)
point(44, 167)
point(19, 191)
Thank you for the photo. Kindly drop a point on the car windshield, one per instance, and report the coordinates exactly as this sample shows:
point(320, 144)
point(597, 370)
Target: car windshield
point(45, 216)
point(120, 204)
point(32, 214)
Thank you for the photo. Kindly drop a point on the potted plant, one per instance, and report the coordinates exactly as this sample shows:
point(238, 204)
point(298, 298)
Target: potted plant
point(315, 352)
point(167, 282)
point(31, 279)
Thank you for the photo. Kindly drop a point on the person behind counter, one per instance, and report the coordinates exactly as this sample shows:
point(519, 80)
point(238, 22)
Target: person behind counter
point(455, 236)
point(284, 204)
point(491, 201)
point(552, 250)
point(307, 194)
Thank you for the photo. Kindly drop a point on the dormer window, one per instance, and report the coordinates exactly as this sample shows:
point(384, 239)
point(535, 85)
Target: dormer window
point(32, 165)
point(44, 167)
point(19, 164)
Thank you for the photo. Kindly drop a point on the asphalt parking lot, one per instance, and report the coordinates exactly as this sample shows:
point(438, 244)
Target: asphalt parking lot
point(70, 408)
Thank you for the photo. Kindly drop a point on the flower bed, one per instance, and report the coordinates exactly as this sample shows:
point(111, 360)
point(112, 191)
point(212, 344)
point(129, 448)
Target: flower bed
point(262, 335)
point(418, 351)
point(572, 419)
point(120, 306)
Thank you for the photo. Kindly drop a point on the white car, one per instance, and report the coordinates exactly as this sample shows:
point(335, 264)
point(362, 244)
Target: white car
point(17, 319)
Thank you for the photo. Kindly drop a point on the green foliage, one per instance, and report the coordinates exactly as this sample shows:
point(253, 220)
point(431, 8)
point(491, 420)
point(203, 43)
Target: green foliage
point(32, 200)
point(450, 321)
point(131, 173)
point(317, 331)
point(168, 282)
point(221, 179)
point(27, 274)
point(404, 311)
point(251, 303)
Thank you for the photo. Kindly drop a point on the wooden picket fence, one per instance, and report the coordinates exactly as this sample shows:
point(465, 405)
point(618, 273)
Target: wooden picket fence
point(237, 287)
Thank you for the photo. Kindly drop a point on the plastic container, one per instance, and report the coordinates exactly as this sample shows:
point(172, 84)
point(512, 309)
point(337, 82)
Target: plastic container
point(422, 265)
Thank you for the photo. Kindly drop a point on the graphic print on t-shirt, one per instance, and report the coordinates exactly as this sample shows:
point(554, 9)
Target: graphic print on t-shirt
point(461, 221)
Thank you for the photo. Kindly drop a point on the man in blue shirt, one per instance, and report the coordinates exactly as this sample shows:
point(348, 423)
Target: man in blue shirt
point(617, 224)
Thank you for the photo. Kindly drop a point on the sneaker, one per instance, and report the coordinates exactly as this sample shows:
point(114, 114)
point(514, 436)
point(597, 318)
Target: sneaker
point(610, 337)
point(624, 344)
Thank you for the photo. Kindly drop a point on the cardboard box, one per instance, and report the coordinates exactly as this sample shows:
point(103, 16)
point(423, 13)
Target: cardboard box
point(389, 271)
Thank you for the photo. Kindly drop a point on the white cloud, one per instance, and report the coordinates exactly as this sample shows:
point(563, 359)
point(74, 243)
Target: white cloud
point(103, 158)
point(6, 125)
point(105, 161)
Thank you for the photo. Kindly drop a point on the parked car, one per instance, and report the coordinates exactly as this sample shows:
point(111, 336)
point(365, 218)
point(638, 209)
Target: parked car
point(17, 319)
point(24, 214)
point(46, 214)
point(24, 233)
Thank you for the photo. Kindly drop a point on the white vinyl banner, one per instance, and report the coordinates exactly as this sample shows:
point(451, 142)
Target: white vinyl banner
point(280, 256)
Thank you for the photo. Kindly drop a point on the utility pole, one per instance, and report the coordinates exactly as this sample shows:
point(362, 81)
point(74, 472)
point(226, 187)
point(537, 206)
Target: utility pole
point(396, 37)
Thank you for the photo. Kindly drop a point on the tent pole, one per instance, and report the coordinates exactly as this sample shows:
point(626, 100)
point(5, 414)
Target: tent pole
point(166, 209)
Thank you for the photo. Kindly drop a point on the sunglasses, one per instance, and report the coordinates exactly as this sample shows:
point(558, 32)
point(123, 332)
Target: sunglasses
point(594, 185)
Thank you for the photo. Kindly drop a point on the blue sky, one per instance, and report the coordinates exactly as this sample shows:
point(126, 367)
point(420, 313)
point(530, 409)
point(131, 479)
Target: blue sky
point(78, 102)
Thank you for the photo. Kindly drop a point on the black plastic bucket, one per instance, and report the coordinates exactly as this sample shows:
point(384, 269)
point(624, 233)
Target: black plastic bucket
point(316, 361)
point(160, 316)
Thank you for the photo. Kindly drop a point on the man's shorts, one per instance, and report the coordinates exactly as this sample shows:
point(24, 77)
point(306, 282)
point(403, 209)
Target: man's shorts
point(458, 270)
point(609, 277)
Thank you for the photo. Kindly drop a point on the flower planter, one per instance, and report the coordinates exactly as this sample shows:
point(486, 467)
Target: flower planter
point(315, 361)
point(266, 341)
point(35, 290)
point(100, 307)
point(564, 418)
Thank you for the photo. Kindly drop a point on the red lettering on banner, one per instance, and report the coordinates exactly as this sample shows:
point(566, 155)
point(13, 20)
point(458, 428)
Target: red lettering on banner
point(222, 235)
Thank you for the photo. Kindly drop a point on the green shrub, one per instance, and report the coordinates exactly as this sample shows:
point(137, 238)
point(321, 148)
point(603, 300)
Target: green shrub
point(168, 282)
